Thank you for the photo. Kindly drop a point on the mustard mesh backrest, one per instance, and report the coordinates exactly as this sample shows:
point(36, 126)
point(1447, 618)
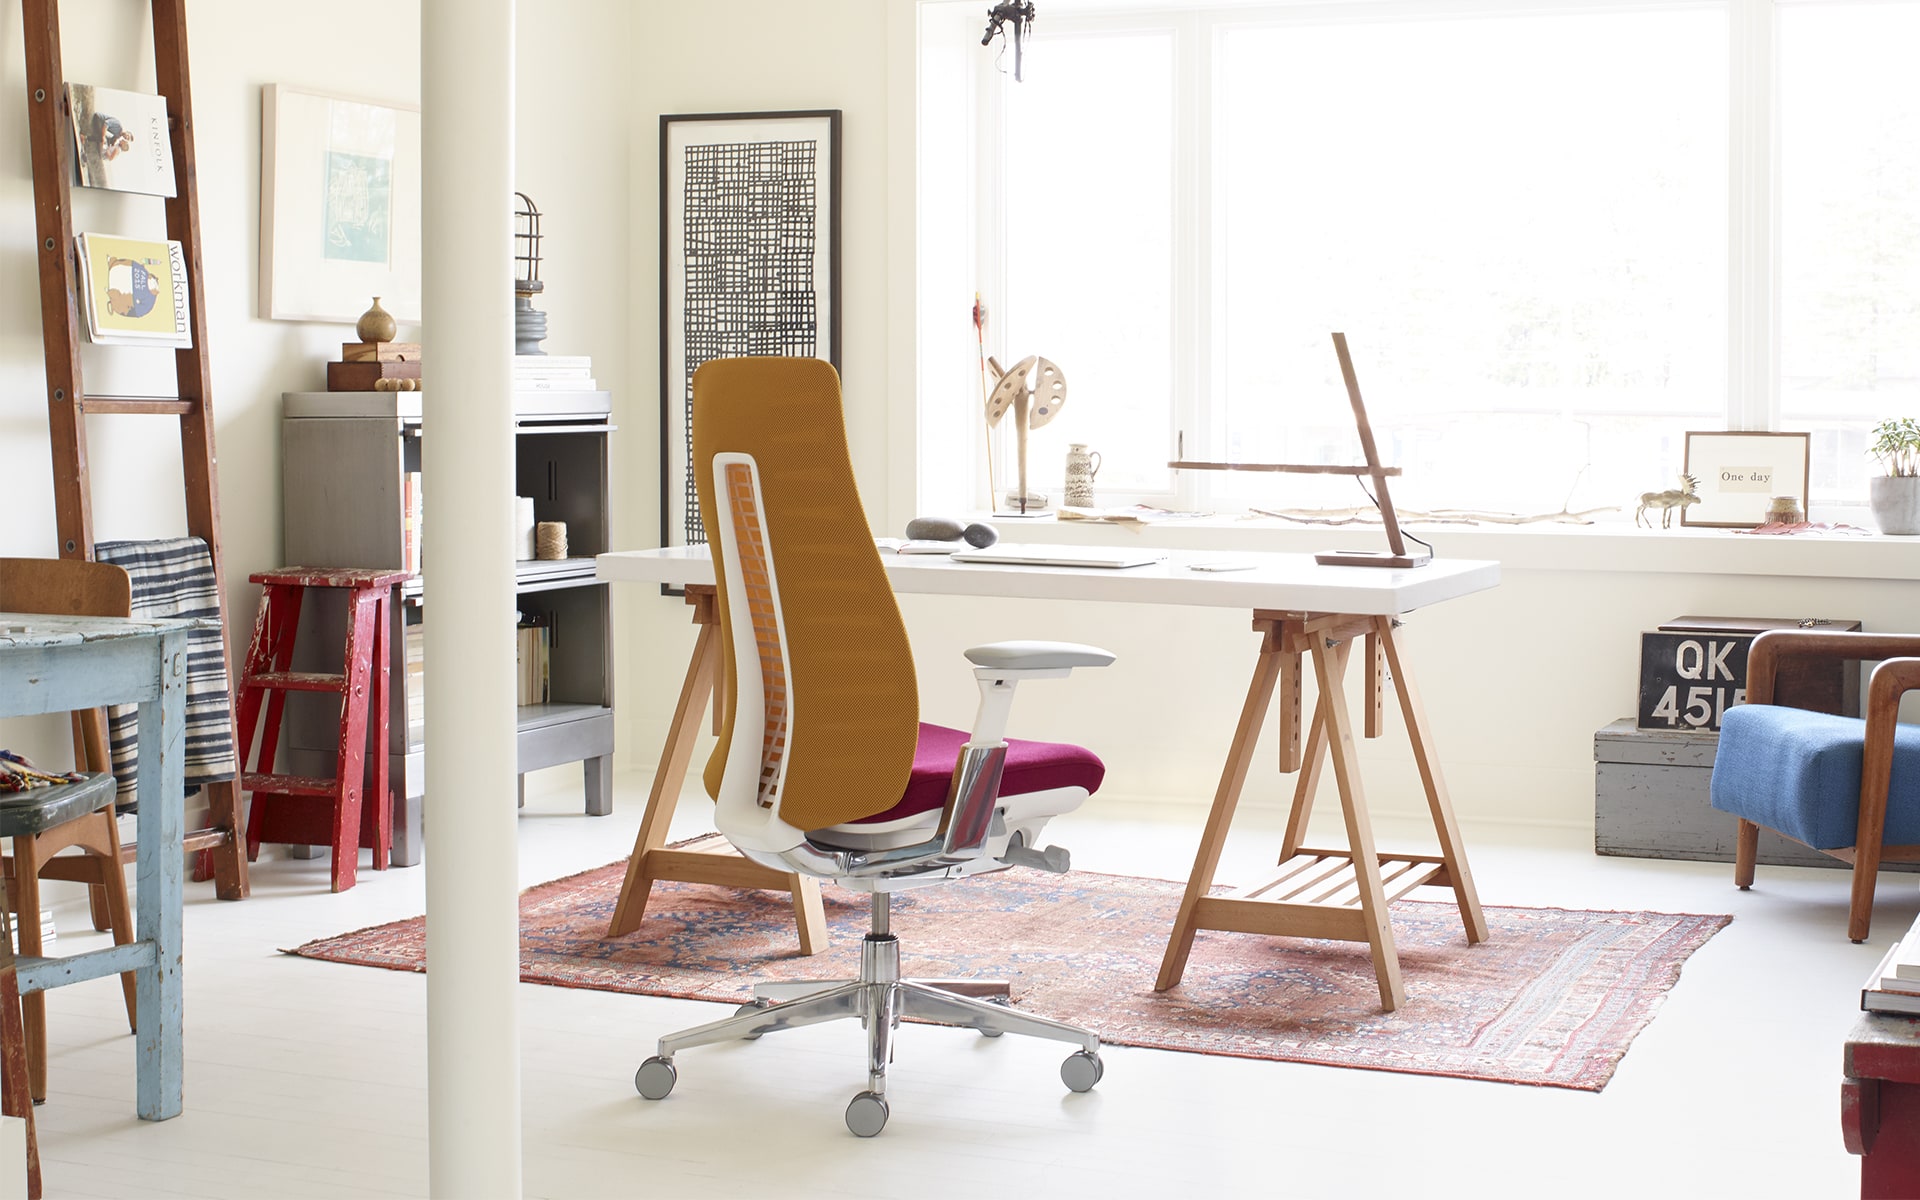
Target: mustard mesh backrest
point(847, 695)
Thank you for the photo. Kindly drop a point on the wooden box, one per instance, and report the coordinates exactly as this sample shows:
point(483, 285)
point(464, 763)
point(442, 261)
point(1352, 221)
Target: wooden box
point(1650, 800)
point(1695, 668)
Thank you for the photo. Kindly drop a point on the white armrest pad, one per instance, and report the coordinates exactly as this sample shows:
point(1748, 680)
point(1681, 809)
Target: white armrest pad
point(1037, 656)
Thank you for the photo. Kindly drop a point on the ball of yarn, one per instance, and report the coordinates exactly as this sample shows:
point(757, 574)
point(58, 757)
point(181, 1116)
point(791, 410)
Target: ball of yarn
point(933, 529)
point(980, 535)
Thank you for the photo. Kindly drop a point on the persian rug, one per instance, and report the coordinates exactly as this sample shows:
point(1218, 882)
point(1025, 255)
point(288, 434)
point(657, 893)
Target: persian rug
point(1552, 998)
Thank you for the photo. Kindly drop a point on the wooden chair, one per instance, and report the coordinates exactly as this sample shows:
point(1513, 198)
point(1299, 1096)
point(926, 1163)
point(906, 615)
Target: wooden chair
point(1842, 785)
point(69, 587)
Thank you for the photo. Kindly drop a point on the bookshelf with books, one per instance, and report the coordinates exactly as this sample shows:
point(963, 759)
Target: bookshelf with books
point(354, 495)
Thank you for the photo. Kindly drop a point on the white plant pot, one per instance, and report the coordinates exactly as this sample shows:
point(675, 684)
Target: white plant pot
point(1895, 500)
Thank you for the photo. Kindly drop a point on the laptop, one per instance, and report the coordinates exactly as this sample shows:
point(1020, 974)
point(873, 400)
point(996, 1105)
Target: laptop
point(1060, 556)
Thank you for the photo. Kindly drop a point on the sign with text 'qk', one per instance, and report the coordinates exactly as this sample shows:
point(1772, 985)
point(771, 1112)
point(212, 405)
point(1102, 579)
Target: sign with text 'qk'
point(1688, 681)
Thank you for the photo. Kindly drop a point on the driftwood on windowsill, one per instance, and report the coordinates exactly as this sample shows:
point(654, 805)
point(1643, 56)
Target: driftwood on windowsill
point(1440, 516)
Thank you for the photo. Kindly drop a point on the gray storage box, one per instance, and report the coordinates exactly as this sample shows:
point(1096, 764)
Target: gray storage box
point(1650, 801)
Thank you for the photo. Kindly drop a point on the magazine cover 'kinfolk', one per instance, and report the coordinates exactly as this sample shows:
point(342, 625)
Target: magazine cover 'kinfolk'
point(120, 139)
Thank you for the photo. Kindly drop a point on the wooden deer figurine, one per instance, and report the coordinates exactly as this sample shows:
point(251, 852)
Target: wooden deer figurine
point(1687, 493)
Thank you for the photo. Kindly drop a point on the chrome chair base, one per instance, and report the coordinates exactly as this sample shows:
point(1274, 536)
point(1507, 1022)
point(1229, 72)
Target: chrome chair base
point(879, 999)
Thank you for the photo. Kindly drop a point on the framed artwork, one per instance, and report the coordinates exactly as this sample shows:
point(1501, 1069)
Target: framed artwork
point(749, 264)
point(339, 206)
point(1738, 474)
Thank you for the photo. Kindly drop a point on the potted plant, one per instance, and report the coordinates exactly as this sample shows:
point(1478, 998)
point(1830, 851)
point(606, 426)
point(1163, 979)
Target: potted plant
point(1895, 496)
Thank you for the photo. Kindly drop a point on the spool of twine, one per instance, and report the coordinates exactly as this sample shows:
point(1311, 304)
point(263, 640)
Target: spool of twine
point(550, 539)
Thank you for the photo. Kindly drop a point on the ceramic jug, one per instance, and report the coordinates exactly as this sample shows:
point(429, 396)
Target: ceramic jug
point(1082, 466)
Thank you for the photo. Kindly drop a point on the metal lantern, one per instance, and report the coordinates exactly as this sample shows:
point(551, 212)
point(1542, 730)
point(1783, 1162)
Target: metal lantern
point(529, 323)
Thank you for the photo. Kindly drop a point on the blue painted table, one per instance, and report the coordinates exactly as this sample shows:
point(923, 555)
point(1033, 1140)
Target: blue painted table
point(54, 665)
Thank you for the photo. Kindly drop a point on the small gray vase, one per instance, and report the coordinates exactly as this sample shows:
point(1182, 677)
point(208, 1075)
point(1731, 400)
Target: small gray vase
point(1895, 500)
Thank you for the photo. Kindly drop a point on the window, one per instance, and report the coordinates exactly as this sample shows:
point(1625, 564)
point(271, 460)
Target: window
point(1520, 214)
point(1849, 231)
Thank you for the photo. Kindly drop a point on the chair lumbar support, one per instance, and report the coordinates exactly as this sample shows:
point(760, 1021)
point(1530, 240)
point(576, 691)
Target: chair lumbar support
point(879, 999)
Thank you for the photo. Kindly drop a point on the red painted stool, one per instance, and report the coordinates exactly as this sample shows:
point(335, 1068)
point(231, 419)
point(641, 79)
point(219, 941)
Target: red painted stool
point(301, 810)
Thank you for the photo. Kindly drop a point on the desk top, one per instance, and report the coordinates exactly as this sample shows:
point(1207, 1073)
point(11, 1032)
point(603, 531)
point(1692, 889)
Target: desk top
point(20, 631)
point(1275, 581)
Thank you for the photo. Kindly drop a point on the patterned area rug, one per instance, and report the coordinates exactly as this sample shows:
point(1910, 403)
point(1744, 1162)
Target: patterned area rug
point(1553, 998)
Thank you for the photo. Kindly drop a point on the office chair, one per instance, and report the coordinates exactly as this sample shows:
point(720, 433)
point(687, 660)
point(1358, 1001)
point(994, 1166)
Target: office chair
point(1841, 785)
point(823, 766)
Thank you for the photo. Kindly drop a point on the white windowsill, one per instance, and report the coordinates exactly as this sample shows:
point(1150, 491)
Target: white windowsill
point(1540, 547)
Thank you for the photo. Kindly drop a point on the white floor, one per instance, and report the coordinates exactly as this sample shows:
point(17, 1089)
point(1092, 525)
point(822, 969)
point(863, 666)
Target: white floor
point(308, 1079)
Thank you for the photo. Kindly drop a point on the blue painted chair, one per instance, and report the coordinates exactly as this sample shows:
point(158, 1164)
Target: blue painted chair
point(1844, 786)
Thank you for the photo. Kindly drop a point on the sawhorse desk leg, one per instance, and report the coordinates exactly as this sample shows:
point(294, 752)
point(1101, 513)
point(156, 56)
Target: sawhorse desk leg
point(708, 859)
point(1338, 894)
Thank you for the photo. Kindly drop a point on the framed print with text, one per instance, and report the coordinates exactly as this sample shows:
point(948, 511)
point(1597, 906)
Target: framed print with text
point(1737, 475)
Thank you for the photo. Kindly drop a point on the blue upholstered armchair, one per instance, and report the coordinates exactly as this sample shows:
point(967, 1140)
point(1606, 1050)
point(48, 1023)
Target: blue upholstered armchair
point(1841, 785)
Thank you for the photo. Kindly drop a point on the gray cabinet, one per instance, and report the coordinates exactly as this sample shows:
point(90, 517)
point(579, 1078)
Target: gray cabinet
point(347, 458)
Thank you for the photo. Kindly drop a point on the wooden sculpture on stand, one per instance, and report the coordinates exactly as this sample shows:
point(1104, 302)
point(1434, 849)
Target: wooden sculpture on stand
point(1032, 406)
point(1396, 555)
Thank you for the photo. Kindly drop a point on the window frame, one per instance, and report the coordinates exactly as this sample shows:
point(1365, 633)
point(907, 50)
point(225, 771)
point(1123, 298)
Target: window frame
point(1752, 398)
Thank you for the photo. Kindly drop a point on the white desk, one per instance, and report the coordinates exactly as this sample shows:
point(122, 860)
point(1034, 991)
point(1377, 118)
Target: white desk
point(1302, 610)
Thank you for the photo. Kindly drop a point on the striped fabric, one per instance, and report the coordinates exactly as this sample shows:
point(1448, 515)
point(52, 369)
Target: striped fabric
point(174, 578)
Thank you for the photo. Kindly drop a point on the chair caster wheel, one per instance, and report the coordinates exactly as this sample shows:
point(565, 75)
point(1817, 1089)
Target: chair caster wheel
point(751, 1006)
point(1082, 1070)
point(993, 1033)
point(867, 1114)
point(655, 1078)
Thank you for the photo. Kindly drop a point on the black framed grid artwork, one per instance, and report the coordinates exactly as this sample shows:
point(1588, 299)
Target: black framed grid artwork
point(749, 263)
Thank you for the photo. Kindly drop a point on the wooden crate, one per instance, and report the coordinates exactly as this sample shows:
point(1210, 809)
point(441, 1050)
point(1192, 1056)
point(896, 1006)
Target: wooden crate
point(1650, 800)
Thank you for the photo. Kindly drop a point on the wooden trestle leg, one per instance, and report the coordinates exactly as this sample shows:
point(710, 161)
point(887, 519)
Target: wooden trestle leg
point(709, 859)
point(1339, 894)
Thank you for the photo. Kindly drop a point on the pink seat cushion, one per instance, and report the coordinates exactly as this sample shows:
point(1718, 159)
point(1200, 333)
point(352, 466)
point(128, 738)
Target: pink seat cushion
point(1031, 767)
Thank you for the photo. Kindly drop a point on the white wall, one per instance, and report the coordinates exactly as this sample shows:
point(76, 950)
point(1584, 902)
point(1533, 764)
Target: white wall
point(575, 68)
point(1516, 681)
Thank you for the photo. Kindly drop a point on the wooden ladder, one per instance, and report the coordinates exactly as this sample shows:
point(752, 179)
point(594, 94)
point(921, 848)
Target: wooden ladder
point(50, 136)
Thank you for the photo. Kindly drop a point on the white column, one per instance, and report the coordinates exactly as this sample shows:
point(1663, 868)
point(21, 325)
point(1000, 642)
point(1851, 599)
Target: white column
point(473, 1041)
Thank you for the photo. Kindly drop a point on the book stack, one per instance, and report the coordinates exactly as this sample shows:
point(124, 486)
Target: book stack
point(1894, 986)
point(416, 639)
point(531, 647)
point(375, 367)
point(46, 929)
point(553, 373)
point(412, 511)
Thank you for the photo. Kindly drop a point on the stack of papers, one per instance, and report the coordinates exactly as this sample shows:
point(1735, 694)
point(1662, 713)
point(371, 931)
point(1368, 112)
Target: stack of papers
point(1894, 986)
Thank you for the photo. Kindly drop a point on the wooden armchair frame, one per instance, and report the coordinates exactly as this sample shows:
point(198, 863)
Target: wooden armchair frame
point(1898, 673)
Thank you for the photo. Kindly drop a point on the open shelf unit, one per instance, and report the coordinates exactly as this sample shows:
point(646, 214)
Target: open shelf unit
point(347, 457)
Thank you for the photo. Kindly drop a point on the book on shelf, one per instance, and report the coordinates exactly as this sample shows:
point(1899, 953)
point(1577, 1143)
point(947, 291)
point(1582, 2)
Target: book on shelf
point(1906, 958)
point(534, 364)
point(120, 139)
point(412, 510)
point(133, 292)
point(553, 373)
point(532, 646)
point(416, 643)
point(47, 931)
point(555, 384)
point(1887, 992)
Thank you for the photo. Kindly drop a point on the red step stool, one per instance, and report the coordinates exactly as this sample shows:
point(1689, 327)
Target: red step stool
point(301, 810)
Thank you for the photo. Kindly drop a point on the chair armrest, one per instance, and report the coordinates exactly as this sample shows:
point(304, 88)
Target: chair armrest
point(1038, 656)
point(1891, 680)
point(1764, 657)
